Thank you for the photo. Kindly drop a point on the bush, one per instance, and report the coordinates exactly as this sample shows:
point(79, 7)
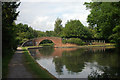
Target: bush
point(77, 41)
point(64, 40)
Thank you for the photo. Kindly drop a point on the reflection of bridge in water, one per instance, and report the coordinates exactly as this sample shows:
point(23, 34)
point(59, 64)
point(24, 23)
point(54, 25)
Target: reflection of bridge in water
point(59, 51)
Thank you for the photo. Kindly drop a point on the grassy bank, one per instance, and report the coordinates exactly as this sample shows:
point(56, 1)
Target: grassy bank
point(5, 61)
point(34, 67)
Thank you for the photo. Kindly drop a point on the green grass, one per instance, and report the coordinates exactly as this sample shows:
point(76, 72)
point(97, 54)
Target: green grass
point(5, 61)
point(47, 44)
point(35, 68)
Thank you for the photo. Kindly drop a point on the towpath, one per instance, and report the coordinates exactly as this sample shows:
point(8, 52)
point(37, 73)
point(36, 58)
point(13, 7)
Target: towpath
point(17, 68)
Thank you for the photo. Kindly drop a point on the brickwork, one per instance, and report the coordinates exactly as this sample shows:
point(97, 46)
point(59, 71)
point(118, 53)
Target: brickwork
point(56, 40)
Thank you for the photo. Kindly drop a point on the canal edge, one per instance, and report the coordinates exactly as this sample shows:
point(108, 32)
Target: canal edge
point(52, 76)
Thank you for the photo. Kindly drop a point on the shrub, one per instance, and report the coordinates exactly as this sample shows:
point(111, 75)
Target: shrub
point(64, 40)
point(77, 41)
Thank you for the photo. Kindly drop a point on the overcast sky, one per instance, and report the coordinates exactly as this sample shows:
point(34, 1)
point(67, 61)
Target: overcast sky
point(41, 15)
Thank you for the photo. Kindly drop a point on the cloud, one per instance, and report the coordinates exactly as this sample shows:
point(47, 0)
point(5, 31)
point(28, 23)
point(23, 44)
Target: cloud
point(77, 16)
point(42, 15)
point(43, 23)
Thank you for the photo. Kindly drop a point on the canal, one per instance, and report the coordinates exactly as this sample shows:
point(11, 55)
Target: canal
point(91, 62)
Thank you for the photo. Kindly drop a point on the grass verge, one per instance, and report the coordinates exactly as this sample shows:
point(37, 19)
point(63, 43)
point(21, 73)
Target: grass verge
point(35, 68)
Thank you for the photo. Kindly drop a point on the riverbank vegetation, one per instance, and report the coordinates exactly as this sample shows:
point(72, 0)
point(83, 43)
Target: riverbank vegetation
point(77, 41)
point(104, 19)
point(35, 68)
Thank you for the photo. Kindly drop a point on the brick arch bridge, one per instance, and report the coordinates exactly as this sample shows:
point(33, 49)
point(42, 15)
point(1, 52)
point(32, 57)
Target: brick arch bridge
point(56, 40)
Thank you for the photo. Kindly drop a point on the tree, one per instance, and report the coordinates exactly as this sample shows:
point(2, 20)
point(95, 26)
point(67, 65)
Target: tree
point(115, 37)
point(50, 33)
point(58, 26)
point(40, 33)
point(24, 33)
point(9, 14)
point(30, 33)
point(104, 17)
point(75, 29)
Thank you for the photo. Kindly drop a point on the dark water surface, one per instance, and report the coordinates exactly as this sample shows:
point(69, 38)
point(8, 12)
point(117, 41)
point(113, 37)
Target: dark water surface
point(79, 62)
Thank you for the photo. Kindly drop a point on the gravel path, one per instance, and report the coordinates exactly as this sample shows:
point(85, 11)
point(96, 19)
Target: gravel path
point(16, 67)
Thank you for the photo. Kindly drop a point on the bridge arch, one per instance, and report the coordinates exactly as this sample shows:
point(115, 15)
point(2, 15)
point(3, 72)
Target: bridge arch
point(45, 41)
point(27, 43)
point(56, 40)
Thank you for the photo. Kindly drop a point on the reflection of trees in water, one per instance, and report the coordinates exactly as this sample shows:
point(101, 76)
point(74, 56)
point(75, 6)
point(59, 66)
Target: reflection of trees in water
point(107, 58)
point(75, 60)
point(58, 65)
point(109, 73)
point(46, 51)
point(111, 66)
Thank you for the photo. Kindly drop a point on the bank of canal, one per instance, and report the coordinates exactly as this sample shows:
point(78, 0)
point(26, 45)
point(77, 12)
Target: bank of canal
point(35, 68)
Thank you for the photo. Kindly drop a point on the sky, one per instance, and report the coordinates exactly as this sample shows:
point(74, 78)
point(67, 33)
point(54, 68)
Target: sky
point(41, 14)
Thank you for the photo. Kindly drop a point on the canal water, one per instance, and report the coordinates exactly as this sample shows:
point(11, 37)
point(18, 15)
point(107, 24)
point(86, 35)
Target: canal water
point(79, 62)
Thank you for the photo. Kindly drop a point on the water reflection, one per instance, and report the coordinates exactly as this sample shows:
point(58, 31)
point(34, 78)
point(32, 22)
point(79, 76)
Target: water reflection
point(47, 51)
point(111, 69)
point(97, 62)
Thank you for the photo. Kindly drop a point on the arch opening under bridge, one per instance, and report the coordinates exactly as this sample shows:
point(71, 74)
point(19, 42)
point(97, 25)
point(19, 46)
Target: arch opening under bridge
point(56, 40)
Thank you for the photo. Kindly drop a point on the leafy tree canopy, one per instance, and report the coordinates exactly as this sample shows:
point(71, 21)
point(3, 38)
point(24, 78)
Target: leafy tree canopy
point(74, 28)
point(58, 27)
point(9, 14)
point(104, 17)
